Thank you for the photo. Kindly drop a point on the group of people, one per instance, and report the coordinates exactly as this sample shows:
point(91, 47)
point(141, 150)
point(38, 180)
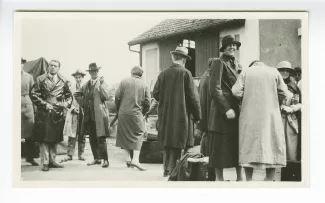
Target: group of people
point(246, 117)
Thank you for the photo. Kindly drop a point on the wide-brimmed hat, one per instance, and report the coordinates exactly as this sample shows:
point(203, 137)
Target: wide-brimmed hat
point(78, 72)
point(227, 40)
point(93, 67)
point(181, 51)
point(285, 65)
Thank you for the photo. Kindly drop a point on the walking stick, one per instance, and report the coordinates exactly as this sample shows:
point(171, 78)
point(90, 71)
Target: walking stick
point(113, 121)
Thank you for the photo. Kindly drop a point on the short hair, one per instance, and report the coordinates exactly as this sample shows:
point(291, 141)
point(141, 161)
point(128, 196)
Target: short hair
point(137, 70)
point(297, 69)
point(56, 61)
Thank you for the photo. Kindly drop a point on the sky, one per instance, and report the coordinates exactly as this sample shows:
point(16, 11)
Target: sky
point(77, 40)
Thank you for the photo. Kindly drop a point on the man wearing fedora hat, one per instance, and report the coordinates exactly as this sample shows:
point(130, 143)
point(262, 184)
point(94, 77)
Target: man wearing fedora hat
point(73, 122)
point(178, 108)
point(92, 96)
point(224, 110)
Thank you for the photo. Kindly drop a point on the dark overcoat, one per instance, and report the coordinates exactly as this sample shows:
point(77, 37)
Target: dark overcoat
point(179, 107)
point(205, 101)
point(95, 101)
point(49, 124)
point(27, 109)
point(223, 75)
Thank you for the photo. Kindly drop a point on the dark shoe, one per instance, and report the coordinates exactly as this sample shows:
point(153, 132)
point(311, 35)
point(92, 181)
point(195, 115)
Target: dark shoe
point(138, 166)
point(128, 164)
point(166, 173)
point(55, 165)
point(45, 167)
point(94, 162)
point(105, 164)
point(81, 158)
point(33, 162)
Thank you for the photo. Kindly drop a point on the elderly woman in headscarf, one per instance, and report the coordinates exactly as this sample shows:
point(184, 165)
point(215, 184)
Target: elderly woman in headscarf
point(132, 101)
point(289, 108)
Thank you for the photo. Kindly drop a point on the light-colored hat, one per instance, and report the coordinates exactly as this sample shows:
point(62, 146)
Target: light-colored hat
point(78, 72)
point(182, 51)
point(284, 65)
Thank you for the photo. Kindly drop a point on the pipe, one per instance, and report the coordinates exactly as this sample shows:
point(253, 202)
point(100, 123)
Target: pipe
point(139, 52)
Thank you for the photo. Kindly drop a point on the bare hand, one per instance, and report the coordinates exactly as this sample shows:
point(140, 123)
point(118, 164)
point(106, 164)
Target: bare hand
point(231, 114)
point(76, 110)
point(49, 107)
point(101, 80)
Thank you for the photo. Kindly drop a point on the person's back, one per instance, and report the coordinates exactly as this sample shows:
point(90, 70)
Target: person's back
point(261, 91)
point(134, 90)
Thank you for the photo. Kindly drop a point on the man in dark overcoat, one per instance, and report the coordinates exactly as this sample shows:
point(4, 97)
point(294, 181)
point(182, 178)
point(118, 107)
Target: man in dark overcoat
point(224, 110)
point(178, 109)
point(52, 97)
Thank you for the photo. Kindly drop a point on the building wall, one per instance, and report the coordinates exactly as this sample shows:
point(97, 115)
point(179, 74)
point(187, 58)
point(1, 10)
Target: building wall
point(280, 41)
point(206, 46)
point(165, 46)
point(249, 38)
point(150, 63)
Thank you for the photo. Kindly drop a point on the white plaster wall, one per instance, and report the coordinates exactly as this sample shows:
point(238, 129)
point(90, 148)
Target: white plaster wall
point(150, 76)
point(249, 38)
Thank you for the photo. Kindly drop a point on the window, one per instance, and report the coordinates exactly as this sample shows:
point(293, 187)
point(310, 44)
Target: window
point(189, 43)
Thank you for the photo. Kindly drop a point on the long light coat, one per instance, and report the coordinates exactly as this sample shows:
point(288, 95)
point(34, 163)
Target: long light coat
point(261, 133)
point(27, 109)
point(71, 122)
point(101, 94)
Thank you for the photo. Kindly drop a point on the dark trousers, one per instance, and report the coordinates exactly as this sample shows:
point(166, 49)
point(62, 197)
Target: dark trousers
point(31, 149)
point(72, 145)
point(170, 157)
point(97, 144)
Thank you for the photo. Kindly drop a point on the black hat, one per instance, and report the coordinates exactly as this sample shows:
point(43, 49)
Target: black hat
point(297, 69)
point(93, 67)
point(227, 40)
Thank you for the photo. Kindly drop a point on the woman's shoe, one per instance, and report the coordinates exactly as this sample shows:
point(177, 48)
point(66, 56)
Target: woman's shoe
point(105, 164)
point(138, 166)
point(128, 164)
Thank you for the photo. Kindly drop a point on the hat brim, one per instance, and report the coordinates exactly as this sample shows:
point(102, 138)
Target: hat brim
point(286, 68)
point(181, 54)
point(233, 42)
point(75, 74)
point(94, 69)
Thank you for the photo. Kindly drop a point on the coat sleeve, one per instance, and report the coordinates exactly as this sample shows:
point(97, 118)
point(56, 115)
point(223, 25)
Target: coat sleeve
point(105, 94)
point(156, 89)
point(282, 88)
point(146, 102)
point(68, 99)
point(118, 96)
point(36, 95)
point(215, 85)
point(238, 88)
point(192, 96)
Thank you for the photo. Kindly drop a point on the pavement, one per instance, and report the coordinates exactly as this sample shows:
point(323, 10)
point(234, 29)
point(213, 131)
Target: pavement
point(76, 170)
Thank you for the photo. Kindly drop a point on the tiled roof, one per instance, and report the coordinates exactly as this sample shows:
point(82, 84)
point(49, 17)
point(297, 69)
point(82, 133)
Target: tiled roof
point(171, 27)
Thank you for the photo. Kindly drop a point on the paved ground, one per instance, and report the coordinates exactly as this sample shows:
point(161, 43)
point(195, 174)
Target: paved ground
point(79, 171)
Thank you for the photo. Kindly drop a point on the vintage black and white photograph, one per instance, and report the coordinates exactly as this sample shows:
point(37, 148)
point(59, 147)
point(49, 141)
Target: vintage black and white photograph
point(161, 97)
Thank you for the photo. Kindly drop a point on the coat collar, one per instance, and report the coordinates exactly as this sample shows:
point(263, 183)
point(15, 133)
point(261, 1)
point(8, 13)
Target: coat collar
point(229, 66)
